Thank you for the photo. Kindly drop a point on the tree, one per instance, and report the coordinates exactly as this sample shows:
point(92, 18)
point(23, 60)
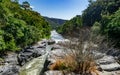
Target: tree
point(95, 30)
point(26, 5)
point(20, 28)
point(70, 26)
point(113, 27)
point(98, 8)
point(2, 42)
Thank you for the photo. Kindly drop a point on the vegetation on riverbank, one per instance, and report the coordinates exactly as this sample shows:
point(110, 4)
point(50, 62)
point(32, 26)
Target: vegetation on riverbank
point(20, 26)
point(105, 13)
point(72, 25)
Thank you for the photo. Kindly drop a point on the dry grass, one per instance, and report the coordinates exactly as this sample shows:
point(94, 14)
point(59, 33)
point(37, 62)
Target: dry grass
point(67, 63)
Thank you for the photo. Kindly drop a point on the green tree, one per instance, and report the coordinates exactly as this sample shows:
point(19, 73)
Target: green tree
point(2, 42)
point(20, 28)
point(98, 8)
point(95, 29)
point(26, 5)
point(113, 27)
point(72, 25)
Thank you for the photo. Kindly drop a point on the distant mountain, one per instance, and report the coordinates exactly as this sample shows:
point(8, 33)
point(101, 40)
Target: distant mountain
point(55, 22)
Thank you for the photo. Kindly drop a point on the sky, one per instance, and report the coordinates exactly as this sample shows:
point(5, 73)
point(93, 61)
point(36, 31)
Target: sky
point(63, 9)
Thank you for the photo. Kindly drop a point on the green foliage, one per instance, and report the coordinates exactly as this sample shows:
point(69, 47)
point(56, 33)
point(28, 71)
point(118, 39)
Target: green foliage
point(96, 28)
point(72, 25)
point(98, 7)
point(20, 28)
point(113, 27)
point(2, 42)
point(26, 5)
point(106, 15)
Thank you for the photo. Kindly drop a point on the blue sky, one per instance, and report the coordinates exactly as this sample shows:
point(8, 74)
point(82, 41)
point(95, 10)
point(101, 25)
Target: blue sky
point(64, 9)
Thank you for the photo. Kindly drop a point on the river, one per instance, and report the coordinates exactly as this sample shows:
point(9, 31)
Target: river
point(57, 37)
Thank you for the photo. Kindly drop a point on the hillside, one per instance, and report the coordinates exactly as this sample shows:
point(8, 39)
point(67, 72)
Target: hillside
point(102, 13)
point(20, 26)
point(72, 25)
point(55, 22)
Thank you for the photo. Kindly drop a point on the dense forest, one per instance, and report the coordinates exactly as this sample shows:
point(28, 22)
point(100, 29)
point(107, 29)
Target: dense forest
point(20, 26)
point(54, 22)
point(72, 25)
point(101, 14)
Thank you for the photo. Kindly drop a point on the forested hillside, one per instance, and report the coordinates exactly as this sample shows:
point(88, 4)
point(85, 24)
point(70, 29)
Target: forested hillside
point(72, 25)
point(20, 26)
point(54, 22)
point(105, 13)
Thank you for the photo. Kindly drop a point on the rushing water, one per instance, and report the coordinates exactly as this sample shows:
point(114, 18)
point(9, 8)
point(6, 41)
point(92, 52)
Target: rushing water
point(57, 37)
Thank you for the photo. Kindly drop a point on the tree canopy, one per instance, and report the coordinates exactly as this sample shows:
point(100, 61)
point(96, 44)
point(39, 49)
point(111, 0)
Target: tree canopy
point(72, 25)
point(20, 28)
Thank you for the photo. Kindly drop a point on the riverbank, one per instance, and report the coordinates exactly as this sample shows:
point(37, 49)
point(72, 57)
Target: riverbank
point(13, 61)
point(30, 61)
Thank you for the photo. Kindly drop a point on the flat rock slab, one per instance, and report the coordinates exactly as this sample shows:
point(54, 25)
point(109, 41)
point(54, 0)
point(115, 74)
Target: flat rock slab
point(106, 60)
point(108, 63)
point(33, 67)
point(110, 67)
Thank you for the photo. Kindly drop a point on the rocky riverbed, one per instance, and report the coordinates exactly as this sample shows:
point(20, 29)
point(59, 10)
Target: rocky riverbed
point(13, 61)
point(29, 60)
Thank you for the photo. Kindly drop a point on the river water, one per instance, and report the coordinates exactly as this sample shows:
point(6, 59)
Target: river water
point(57, 37)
